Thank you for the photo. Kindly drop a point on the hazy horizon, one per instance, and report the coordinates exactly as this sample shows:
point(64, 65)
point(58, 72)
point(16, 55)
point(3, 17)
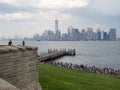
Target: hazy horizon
point(28, 17)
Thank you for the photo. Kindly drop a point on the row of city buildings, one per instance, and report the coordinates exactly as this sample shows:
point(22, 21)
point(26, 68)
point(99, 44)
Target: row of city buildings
point(74, 34)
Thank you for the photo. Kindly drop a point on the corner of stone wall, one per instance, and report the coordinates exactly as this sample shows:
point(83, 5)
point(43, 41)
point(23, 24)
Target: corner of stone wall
point(18, 67)
point(4, 85)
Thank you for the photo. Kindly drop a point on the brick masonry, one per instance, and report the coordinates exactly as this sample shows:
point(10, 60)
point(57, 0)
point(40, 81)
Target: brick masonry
point(18, 66)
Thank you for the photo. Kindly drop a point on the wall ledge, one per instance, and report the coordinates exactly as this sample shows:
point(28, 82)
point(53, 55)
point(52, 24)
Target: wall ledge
point(12, 48)
point(4, 85)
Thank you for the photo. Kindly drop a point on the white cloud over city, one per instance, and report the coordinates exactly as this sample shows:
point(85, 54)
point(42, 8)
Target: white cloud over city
point(15, 16)
point(63, 3)
point(8, 1)
point(27, 17)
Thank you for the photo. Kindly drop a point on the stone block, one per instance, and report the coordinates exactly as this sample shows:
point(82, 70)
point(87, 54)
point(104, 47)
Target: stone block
point(18, 66)
point(4, 85)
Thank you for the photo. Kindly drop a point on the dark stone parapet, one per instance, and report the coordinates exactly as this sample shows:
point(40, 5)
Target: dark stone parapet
point(31, 48)
point(6, 48)
point(19, 67)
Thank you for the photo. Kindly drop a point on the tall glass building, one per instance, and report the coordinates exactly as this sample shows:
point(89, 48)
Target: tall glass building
point(112, 34)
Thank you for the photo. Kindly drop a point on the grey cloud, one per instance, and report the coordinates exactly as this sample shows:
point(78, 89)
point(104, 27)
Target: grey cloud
point(90, 14)
point(103, 12)
point(108, 7)
point(99, 11)
point(9, 8)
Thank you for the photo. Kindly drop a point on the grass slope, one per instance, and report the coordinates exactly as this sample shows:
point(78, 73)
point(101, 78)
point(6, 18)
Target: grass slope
point(56, 78)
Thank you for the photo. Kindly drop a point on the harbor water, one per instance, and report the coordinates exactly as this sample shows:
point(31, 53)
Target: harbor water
point(98, 53)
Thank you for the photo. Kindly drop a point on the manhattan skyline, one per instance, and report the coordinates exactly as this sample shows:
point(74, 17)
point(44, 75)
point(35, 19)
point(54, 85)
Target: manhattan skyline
point(26, 18)
point(74, 34)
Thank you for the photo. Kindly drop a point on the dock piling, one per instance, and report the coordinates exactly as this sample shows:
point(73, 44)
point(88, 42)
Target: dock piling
point(55, 54)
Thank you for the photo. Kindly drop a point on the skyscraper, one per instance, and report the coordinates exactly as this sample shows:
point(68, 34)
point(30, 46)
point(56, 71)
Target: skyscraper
point(105, 36)
point(70, 33)
point(98, 34)
point(89, 33)
point(112, 34)
point(83, 35)
point(57, 31)
point(56, 25)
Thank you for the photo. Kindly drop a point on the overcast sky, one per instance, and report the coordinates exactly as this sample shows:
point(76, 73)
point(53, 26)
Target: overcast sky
point(28, 17)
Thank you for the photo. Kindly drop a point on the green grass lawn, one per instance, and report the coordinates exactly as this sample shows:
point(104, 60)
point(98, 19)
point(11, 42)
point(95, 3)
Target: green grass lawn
point(56, 78)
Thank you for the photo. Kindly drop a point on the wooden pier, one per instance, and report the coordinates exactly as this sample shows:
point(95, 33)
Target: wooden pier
point(53, 54)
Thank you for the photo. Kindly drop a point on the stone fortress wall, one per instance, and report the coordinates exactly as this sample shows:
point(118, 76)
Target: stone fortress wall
point(18, 67)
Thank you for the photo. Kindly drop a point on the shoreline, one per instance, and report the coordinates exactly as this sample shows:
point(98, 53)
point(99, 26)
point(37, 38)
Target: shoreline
point(92, 69)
